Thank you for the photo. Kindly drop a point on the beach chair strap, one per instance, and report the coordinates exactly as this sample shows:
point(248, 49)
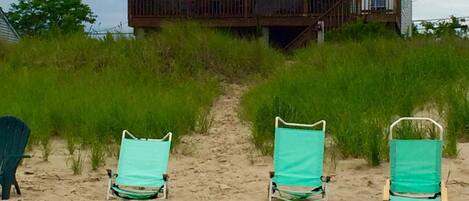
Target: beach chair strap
point(134, 195)
point(300, 195)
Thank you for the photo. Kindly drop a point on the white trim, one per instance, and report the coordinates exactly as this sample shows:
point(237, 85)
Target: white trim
point(415, 119)
point(126, 132)
point(278, 119)
point(168, 136)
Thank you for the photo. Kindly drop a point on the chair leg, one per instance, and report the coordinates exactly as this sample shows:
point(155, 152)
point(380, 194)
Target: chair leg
point(6, 187)
point(269, 191)
point(386, 190)
point(109, 192)
point(166, 192)
point(17, 187)
point(444, 191)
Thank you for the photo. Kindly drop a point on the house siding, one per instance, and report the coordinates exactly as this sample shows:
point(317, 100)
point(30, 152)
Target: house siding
point(7, 32)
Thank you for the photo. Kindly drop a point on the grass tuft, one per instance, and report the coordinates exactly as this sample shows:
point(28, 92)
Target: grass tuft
point(97, 156)
point(76, 162)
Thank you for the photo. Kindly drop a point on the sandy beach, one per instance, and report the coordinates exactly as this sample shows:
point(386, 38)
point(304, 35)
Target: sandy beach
point(219, 165)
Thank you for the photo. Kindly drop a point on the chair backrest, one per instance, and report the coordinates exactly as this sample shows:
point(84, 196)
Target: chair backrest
point(14, 135)
point(142, 162)
point(415, 166)
point(298, 157)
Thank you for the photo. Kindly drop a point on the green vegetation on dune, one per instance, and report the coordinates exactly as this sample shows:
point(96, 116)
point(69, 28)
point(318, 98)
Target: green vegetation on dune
point(215, 51)
point(88, 90)
point(3, 50)
point(361, 87)
point(98, 106)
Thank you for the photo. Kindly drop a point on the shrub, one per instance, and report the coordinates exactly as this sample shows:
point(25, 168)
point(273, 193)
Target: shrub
point(360, 31)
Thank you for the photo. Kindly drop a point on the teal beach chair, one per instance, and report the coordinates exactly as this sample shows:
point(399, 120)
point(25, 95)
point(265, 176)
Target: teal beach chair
point(298, 162)
point(141, 172)
point(415, 167)
point(14, 135)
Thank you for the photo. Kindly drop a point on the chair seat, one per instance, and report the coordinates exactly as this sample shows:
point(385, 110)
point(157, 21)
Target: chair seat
point(399, 198)
point(133, 194)
point(301, 195)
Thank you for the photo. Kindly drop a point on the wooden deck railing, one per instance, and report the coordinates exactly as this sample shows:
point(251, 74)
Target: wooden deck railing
point(248, 8)
point(190, 8)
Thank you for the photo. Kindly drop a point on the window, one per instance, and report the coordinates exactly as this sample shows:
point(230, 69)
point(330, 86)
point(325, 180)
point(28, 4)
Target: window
point(378, 4)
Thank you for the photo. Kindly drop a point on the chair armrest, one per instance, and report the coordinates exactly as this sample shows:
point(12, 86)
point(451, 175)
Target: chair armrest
point(27, 156)
point(386, 189)
point(326, 179)
point(444, 191)
point(110, 174)
point(165, 177)
point(19, 156)
point(271, 174)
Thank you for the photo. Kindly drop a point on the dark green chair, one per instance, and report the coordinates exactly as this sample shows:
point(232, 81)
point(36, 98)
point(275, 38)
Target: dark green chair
point(14, 135)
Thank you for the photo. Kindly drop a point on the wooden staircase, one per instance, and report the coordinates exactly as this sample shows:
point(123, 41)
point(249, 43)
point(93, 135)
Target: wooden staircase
point(341, 12)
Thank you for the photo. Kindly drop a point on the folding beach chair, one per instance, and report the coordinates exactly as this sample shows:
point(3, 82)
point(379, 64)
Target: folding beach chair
point(415, 167)
point(141, 172)
point(14, 135)
point(298, 162)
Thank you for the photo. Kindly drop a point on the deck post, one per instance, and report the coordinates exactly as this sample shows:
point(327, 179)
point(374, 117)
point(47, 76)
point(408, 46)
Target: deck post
point(306, 8)
point(139, 33)
point(266, 35)
point(320, 33)
point(245, 10)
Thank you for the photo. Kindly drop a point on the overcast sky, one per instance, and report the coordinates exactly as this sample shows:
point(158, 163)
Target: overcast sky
point(113, 12)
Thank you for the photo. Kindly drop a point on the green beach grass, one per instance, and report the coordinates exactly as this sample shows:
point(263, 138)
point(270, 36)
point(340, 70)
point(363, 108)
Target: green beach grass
point(361, 87)
point(87, 90)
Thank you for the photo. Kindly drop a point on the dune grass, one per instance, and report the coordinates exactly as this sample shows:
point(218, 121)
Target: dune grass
point(87, 91)
point(97, 106)
point(361, 87)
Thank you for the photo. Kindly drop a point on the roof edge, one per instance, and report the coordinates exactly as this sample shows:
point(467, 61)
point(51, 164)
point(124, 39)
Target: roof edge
point(9, 24)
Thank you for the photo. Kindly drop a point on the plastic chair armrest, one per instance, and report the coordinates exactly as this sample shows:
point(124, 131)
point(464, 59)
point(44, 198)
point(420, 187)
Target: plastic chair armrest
point(110, 174)
point(271, 174)
point(326, 179)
